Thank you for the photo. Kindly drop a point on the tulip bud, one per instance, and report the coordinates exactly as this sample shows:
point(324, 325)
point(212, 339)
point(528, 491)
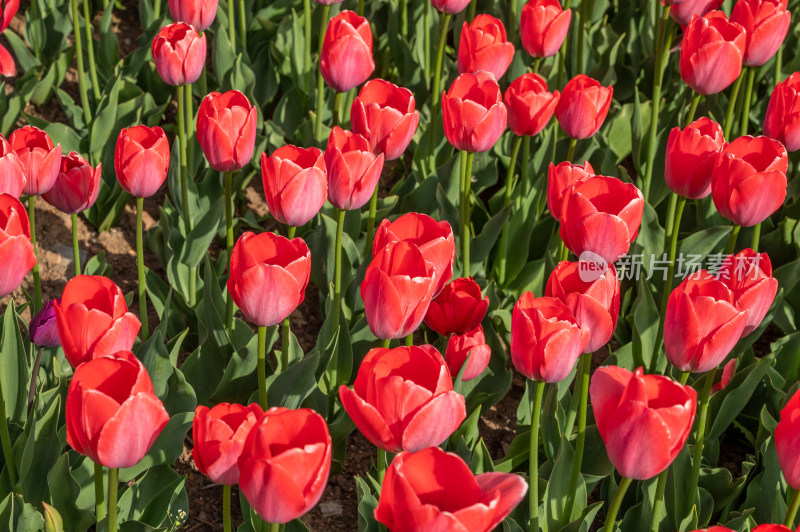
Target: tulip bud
point(712, 52)
point(219, 434)
point(40, 160)
point(473, 112)
point(748, 275)
point(295, 184)
point(346, 60)
point(691, 156)
point(543, 27)
point(141, 160)
point(198, 13)
point(52, 519)
point(470, 348)
point(16, 251)
point(483, 46)
point(76, 186)
point(226, 130)
point(782, 121)
point(787, 441)
point(353, 170)
point(385, 115)
point(458, 309)
point(766, 23)
point(560, 180)
point(179, 53)
point(12, 172)
point(583, 106)
point(529, 105)
point(43, 328)
point(452, 7)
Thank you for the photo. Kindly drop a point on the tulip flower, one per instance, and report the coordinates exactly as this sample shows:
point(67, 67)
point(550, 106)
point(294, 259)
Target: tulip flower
point(219, 434)
point(141, 160)
point(226, 130)
point(748, 182)
point(43, 328)
point(198, 13)
point(179, 53)
point(529, 105)
point(353, 170)
point(787, 441)
point(435, 490)
point(712, 52)
point(601, 215)
point(346, 60)
point(40, 160)
point(766, 23)
point(403, 399)
point(16, 251)
point(76, 186)
point(434, 239)
point(328, 2)
point(583, 106)
point(782, 121)
point(8, 8)
point(473, 112)
point(385, 115)
point(715, 529)
point(644, 420)
point(483, 46)
point(702, 324)
point(295, 184)
point(772, 528)
point(397, 288)
point(458, 309)
point(543, 27)
point(12, 171)
point(592, 297)
point(93, 319)
point(451, 7)
point(691, 156)
point(7, 65)
point(748, 275)
point(682, 12)
point(113, 415)
point(560, 180)
point(471, 348)
point(285, 463)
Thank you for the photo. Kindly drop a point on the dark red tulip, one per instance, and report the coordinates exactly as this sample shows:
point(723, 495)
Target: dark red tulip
point(268, 276)
point(346, 61)
point(353, 170)
point(452, 7)
point(530, 107)
point(483, 46)
point(766, 23)
point(219, 434)
point(385, 115)
point(787, 441)
point(40, 159)
point(76, 186)
point(198, 13)
point(691, 156)
point(748, 275)
point(141, 160)
point(682, 12)
point(179, 53)
point(403, 399)
point(458, 309)
point(472, 345)
point(226, 130)
point(12, 171)
point(712, 51)
point(295, 184)
point(543, 27)
point(473, 112)
point(561, 179)
point(782, 121)
point(583, 106)
point(644, 420)
point(16, 251)
point(113, 415)
point(43, 328)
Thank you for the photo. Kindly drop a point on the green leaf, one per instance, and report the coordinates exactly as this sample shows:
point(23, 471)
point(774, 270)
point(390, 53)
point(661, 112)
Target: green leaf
point(64, 492)
point(366, 507)
point(20, 516)
point(290, 388)
point(14, 362)
point(106, 118)
point(199, 239)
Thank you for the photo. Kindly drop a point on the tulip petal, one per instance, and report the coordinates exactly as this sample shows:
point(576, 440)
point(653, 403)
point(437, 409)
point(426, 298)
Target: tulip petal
point(434, 422)
point(128, 435)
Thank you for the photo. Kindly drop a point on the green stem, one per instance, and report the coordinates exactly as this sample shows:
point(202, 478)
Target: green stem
point(791, 511)
point(537, 61)
point(226, 508)
point(465, 215)
point(90, 51)
point(700, 436)
point(184, 182)
point(113, 481)
point(307, 35)
point(437, 78)
point(524, 178)
point(382, 465)
point(471, 10)
point(426, 39)
point(373, 209)
point(410, 339)
point(778, 66)
point(616, 502)
point(337, 106)
point(692, 108)
point(140, 269)
point(189, 123)
point(229, 240)
point(748, 96)
point(726, 129)
point(732, 239)
point(584, 372)
point(658, 500)
point(157, 9)
point(512, 16)
point(274, 527)
point(320, 80)
point(533, 457)
point(262, 367)
point(76, 252)
point(403, 7)
point(571, 151)
point(386, 343)
point(661, 57)
point(756, 236)
point(337, 272)
point(243, 24)
point(360, 8)
point(501, 255)
point(286, 327)
point(232, 25)
point(564, 252)
point(37, 283)
point(87, 113)
point(99, 495)
point(684, 378)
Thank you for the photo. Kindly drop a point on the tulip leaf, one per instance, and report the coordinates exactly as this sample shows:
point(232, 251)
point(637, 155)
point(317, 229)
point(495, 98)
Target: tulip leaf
point(14, 362)
point(20, 516)
point(645, 322)
point(41, 452)
point(555, 496)
point(366, 507)
point(199, 239)
point(290, 388)
point(586, 519)
point(64, 492)
point(106, 117)
point(728, 403)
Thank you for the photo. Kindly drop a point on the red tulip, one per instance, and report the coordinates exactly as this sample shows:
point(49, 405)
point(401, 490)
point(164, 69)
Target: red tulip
point(434, 239)
point(40, 159)
point(766, 23)
point(76, 186)
point(583, 106)
point(472, 345)
point(226, 130)
point(403, 399)
point(434, 490)
point(787, 441)
point(543, 27)
point(268, 276)
point(12, 170)
point(712, 52)
point(16, 251)
point(458, 309)
point(453, 7)
point(546, 339)
point(473, 112)
point(346, 61)
point(715, 529)
point(702, 324)
point(593, 298)
point(295, 184)
point(397, 289)
point(198, 13)
point(328, 2)
point(602, 215)
point(8, 8)
point(141, 160)
point(727, 375)
point(772, 528)
point(748, 183)
point(93, 319)
point(691, 155)
point(782, 121)
point(353, 170)
point(43, 328)
point(7, 66)
point(644, 420)
point(560, 180)
point(682, 12)
point(483, 46)
point(529, 105)
point(179, 53)
point(113, 415)
point(285, 463)
point(748, 275)
point(219, 434)
point(385, 115)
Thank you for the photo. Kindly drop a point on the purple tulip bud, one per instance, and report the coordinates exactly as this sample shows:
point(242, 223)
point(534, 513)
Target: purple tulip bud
point(44, 332)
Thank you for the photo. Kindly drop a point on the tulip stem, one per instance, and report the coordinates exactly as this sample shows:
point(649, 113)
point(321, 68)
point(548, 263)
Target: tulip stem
point(229, 240)
point(756, 236)
point(382, 464)
point(584, 371)
point(140, 269)
point(76, 252)
point(692, 108)
point(732, 240)
point(37, 283)
point(410, 339)
point(232, 25)
point(320, 81)
point(360, 8)
point(156, 8)
point(307, 36)
point(243, 25)
point(274, 527)
point(437, 78)
point(99, 494)
point(523, 171)
point(726, 129)
point(778, 66)
point(616, 502)
point(262, 367)
point(184, 182)
point(426, 38)
point(658, 500)
point(791, 512)
point(373, 210)
point(337, 272)
point(113, 480)
point(571, 151)
point(90, 52)
point(500, 266)
point(285, 331)
point(189, 123)
point(386, 342)
point(748, 96)
point(87, 113)
point(226, 508)
point(700, 436)
point(337, 106)
point(533, 457)
point(466, 169)
point(403, 8)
